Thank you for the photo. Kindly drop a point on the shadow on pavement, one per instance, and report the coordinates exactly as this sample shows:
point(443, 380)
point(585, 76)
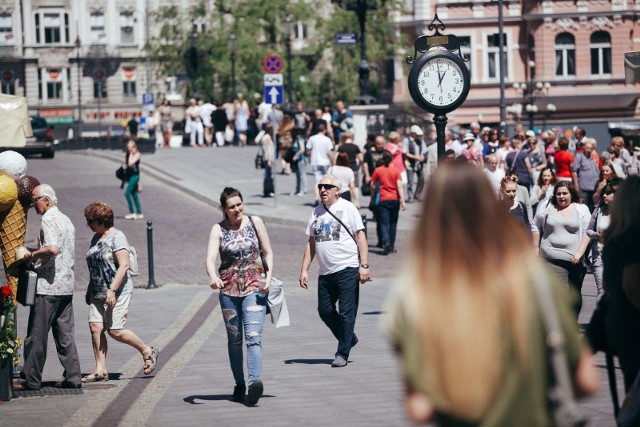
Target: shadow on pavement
point(308, 361)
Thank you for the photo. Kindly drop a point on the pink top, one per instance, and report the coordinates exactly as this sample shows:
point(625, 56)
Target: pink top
point(397, 160)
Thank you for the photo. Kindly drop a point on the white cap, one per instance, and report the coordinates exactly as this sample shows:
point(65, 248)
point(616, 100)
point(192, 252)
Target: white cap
point(468, 136)
point(417, 130)
point(530, 133)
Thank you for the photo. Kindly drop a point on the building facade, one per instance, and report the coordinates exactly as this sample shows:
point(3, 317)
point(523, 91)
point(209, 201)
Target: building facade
point(564, 59)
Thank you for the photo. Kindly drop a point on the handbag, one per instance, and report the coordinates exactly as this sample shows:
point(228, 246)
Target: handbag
point(27, 283)
point(275, 297)
point(259, 161)
point(563, 407)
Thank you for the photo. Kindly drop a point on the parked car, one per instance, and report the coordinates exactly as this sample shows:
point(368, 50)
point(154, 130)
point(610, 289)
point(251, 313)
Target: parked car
point(41, 142)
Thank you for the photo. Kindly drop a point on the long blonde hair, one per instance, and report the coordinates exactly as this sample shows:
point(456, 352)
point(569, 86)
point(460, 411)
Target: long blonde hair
point(468, 280)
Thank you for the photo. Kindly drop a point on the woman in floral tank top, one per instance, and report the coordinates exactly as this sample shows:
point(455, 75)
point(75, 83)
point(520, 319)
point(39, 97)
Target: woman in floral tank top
point(242, 293)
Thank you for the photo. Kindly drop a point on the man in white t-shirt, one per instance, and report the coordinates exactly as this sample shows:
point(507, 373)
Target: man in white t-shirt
point(320, 146)
point(342, 264)
point(493, 172)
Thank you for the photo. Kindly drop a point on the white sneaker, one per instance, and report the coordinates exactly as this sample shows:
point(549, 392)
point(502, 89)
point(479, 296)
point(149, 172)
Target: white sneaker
point(130, 216)
point(301, 194)
point(139, 216)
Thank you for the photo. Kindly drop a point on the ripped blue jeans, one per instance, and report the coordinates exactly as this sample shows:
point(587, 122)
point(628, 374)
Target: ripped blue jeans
point(244, 316)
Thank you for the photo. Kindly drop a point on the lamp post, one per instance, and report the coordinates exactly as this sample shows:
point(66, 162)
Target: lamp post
point(532, 91)
point(78, 44)
point(503, 67)
point(288, 28)
point(192, 57)
point(232, 49)
point(361, 7)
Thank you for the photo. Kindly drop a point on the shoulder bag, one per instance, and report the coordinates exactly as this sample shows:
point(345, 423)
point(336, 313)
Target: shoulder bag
point(563, 406)
point(275, 298)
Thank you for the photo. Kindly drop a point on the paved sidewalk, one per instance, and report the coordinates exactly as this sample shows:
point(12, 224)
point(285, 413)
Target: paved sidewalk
point(205, 175)
point(193, 382)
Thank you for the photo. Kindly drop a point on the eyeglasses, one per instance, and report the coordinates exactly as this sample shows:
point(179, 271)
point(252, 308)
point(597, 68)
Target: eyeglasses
point(34, 200)
point(326, 186)
point(90, 221)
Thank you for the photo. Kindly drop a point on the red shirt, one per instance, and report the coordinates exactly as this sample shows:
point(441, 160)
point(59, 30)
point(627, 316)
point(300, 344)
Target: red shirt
point(563, 160)
point(388, 177)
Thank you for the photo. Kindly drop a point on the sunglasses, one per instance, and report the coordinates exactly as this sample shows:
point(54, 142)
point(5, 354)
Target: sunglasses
point(326, 186)
point(34, 200)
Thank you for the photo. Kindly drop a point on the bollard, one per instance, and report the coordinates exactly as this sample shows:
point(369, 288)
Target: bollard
point(364, 222)
point(152, 281)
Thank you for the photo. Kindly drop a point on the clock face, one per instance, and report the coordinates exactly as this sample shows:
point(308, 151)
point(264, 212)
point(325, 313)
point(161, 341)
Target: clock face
point(439, 82)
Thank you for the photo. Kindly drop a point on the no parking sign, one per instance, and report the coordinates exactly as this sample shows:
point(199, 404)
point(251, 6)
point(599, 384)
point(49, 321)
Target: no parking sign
point(272, 64)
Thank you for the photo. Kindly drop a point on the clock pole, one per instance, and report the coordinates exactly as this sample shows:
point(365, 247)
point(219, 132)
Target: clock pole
point(441, 125)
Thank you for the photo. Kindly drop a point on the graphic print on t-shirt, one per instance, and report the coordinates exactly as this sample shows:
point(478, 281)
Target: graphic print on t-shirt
point(326, 228)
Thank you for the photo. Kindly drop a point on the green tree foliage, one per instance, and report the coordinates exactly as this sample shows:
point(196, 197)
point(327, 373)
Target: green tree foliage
point(204, 57)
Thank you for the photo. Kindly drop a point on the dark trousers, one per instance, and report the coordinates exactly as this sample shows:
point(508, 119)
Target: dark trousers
point(267, 187)
point(388, 216)
point(588, 198)
point(53, 312)
point(340, 287)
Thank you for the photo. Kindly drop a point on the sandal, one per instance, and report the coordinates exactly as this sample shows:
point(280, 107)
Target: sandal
point(150, 361)
point(95, 377)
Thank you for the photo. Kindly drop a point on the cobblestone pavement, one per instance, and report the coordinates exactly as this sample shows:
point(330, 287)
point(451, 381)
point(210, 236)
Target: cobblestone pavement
point(193, 382)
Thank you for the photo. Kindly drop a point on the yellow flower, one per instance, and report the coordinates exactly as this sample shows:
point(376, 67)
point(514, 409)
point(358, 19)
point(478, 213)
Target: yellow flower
point(10, 350)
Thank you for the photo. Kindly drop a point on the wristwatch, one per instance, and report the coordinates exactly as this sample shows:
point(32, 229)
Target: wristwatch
point(365, 266)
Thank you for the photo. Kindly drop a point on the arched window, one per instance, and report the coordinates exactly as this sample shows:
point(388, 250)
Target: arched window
point(600, 53)
point(565, 55)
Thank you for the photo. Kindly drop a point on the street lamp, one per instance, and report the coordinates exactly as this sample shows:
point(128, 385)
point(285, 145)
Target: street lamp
point(288, 28)
point(361, 7)
point(78, 44)
point(232, 49)
point(532, 91)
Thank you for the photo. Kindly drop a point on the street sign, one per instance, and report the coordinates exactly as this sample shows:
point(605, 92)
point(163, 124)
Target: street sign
point(273, 88)
point(274, 94)
point(147, 98)
point(272, 64)
point(273, 80)
point(346, 38)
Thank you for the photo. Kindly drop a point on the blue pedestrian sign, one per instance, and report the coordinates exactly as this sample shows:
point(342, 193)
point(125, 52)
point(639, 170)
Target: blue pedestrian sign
point(273, 88)
point(274, 94)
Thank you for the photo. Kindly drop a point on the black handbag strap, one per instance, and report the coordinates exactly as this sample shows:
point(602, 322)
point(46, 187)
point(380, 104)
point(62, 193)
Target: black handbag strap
point(265, 266)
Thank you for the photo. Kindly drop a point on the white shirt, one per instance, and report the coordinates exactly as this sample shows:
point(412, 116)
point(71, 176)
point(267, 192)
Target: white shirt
point(320, 146)
point(344, 174)
point(205, 113)
point(335, 249)
point(495, 177)
point(55, 273)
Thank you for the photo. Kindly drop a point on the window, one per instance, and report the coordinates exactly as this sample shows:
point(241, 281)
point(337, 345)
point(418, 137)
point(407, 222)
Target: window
point(53, 84)
point(99, 89)
point(8, 88)
point(96, 21)
point(493, 55)
point(6, 29)
point(127, 35)
point(465, 50)
point(300, 31)
point(600, 53)
point(129, 89)
point(54, 90)
point(565, 55)
point(52, 27)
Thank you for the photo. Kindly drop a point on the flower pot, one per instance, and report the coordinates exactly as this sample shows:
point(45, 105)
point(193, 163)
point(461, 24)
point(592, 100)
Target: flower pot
point(6, 379)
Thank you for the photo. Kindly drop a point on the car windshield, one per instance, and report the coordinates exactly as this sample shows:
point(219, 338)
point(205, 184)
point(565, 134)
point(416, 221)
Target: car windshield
point(38, 123)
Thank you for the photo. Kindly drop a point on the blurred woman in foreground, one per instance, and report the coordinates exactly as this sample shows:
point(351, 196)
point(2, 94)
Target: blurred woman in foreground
point(470, 336)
